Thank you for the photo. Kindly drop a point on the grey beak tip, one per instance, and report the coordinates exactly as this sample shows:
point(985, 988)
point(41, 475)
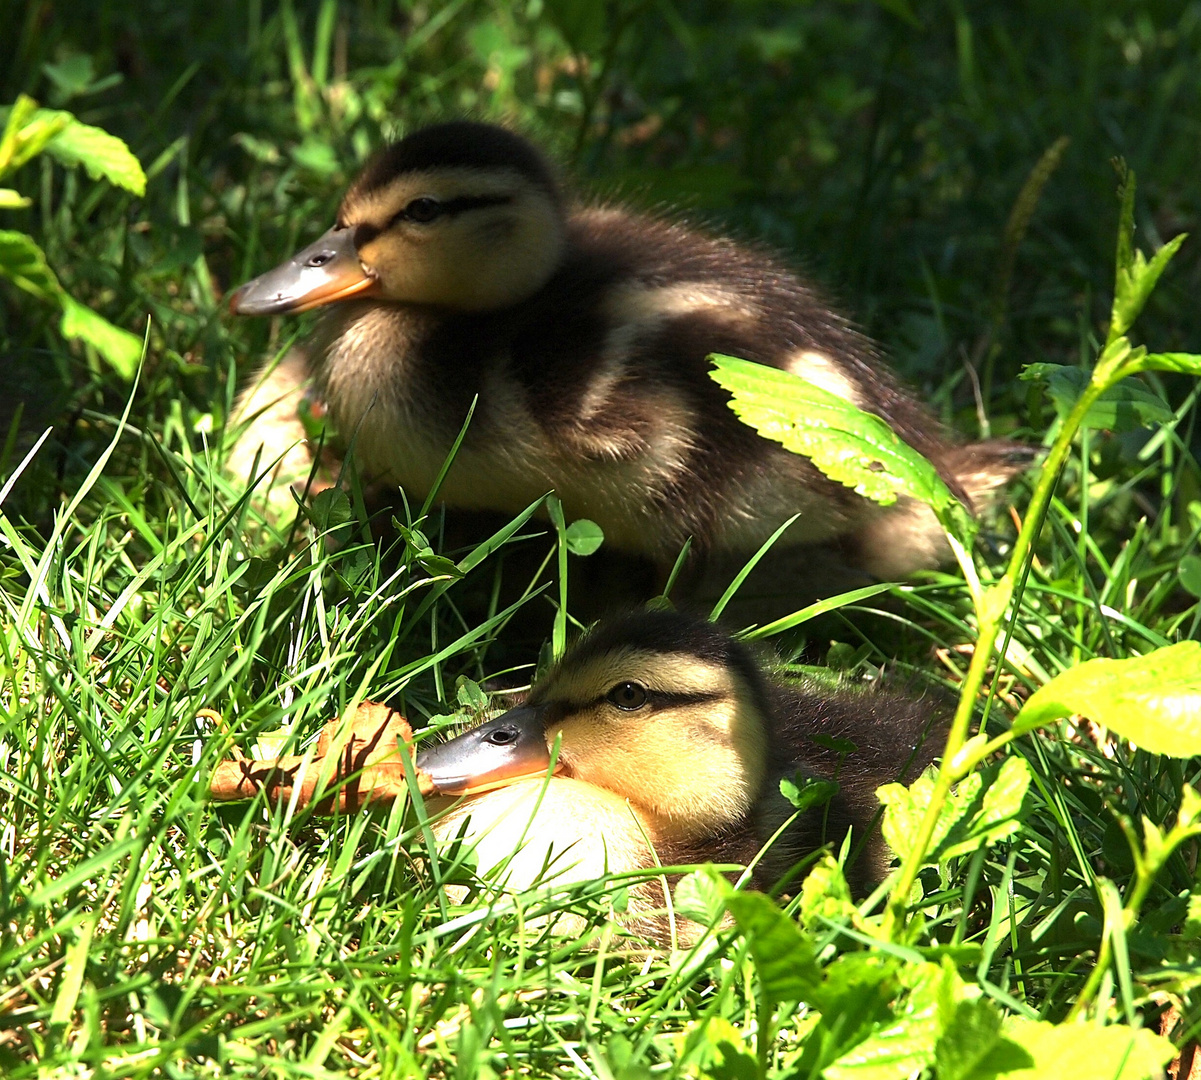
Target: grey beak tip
point(250, 301)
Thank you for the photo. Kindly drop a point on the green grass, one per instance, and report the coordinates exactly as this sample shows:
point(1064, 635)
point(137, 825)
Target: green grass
point(145, 931)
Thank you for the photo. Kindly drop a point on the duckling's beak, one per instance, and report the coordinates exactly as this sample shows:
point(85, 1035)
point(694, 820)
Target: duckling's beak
point(511, 747)
point(325, 271)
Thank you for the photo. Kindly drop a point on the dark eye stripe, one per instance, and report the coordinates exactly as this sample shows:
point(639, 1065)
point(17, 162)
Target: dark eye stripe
point(450, 207)
point(366, 232)
point(662, 699)
point(656, 699)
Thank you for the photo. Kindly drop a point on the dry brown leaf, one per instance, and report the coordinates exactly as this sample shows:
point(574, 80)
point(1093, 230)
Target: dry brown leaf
point(367, 745)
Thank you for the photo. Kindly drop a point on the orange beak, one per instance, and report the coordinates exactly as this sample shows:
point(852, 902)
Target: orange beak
point(325, 272)
point(512, 747)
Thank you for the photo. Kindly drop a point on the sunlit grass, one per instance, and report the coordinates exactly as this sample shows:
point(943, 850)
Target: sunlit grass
point(146, 931)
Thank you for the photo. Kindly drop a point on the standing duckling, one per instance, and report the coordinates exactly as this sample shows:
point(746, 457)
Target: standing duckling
point(672, 744)
point(457, 270)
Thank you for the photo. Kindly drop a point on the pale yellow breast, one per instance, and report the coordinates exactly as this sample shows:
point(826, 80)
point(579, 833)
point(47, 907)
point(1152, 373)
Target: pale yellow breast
point(552, 832)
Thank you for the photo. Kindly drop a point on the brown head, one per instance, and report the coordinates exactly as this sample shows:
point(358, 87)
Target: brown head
point(463, 215)
point(656, 707)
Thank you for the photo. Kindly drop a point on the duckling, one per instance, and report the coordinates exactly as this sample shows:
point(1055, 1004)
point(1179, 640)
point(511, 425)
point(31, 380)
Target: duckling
point(457, 271)
point(671, 745)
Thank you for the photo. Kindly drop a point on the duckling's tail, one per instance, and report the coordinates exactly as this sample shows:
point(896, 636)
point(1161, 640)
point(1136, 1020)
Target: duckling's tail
point(978, 471)
point(907, 537)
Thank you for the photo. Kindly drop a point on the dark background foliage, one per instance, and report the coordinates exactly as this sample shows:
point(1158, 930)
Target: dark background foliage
point(881, 146)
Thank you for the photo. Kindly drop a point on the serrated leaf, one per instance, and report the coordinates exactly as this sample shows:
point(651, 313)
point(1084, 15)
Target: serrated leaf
point(784, 959)
point(27, 131)
point(104, 156)
point(120, 348)
point(826, 897)
point(584, 537)
point(1087, 1052)
point(1152, 700)
point(985, 807)
point(862, 1028)
point(1123, 407)
point(720, 1051)
point(852, 447)
point(1137, 280)
point(24, 264)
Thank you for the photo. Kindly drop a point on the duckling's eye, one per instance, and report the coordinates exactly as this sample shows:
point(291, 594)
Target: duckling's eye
point(503, 736)
point(627, 695)
point(423, 210)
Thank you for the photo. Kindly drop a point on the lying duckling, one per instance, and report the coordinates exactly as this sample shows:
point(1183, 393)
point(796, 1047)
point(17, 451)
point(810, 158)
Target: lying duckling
point(671, 746)
point(457, 269)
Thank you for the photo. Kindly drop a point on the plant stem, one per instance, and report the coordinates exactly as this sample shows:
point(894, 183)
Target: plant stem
point(991, 604)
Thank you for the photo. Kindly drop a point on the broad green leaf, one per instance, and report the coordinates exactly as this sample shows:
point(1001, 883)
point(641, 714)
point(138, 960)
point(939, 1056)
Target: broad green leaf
point(439, 566)
point(330, 510)
point(701, 896)
point(24, 264)
point(1191, 931)
point(784, 958)
point(851, 446)
point(584, 537)
point(807, 792)
point(104, 156)
point(72, 75)
point(1123, 407)
point(984, 808)
point(1189, 572)
point(317, 156)
point(119, 347)
point(1185, 363)
point(15, 118)
point(1152, 700)
point(1087, 1052)
point(13, 200)
point(469, 695)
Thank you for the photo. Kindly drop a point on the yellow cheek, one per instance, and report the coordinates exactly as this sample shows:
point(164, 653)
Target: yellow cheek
point(695, 770)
